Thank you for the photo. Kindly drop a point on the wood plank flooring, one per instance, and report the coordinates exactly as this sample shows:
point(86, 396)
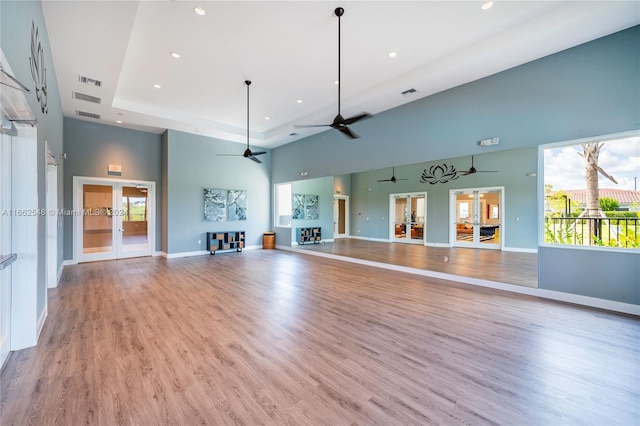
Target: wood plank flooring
point(282, 338)
point(493, 265)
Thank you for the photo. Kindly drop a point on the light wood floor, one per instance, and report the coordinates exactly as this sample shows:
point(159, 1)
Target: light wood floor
point(493, 265)
point(283, 338)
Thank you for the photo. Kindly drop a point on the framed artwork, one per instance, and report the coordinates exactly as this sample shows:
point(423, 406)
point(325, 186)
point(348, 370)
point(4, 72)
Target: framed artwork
point(237, 204)
point(305, 206)
point(297, 206)
point(311, 206)
point(215, 205)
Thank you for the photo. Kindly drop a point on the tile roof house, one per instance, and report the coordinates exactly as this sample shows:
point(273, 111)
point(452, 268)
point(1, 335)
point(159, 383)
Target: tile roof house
point(628, 199)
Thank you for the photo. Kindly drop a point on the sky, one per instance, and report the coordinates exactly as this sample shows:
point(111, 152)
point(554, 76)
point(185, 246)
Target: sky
point(564, 168)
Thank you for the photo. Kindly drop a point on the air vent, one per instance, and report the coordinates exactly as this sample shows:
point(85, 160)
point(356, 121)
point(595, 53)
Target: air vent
point(409, 92)
point(90, 81)
point(88, 114)
point(85, 97)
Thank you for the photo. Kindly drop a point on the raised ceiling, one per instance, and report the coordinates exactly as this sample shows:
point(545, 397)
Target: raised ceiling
point(289, 50)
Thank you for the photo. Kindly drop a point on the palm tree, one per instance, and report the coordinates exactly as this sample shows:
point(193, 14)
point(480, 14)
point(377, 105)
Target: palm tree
point(590, 153)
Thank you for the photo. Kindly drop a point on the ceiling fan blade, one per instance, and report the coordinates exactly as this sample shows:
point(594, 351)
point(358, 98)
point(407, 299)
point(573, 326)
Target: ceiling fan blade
point(252, 158)
point(302, 126)
point(229, 155)
point(258, 153)
point(384, 180)
point(348, 132)
point(356, 118)
point(468, 172)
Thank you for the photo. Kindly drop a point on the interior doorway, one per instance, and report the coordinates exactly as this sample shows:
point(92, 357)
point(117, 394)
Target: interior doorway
point(476, 217)
point(113, 219)
point(407, 217)
point(340, 216)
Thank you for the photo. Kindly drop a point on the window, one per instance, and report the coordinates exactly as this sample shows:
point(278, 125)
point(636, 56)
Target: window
point(590, 193)
point(283, 204)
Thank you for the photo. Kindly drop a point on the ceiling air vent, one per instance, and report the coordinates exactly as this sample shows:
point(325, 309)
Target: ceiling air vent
point(85, 97)
point(409, 92)
point(88, 114)
point(90, 81)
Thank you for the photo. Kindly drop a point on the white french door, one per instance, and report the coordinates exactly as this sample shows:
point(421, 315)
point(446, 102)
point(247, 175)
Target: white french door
point(476, 217)
point(340, 216)
point(113, 219)
point(407, 217)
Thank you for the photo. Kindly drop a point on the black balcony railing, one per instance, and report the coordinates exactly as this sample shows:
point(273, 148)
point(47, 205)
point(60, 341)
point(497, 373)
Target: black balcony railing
point(613, 232)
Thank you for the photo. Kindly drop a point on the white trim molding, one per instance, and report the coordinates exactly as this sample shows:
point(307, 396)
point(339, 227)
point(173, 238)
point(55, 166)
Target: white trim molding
point(592, 302)
point(520, 250)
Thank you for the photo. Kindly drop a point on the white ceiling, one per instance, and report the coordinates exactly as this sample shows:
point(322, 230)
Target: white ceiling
point(289, 51)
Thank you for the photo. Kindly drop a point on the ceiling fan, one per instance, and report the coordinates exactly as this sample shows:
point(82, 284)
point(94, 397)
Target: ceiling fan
point(339, 122)
point(393, 177)
point(473, 170)
point(247, 152)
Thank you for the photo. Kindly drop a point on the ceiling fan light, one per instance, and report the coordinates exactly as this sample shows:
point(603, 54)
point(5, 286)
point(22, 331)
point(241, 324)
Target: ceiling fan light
point(200, 11)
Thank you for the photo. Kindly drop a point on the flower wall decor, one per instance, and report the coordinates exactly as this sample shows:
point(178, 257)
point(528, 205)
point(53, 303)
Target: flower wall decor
point(439, 174)
point(38, 70)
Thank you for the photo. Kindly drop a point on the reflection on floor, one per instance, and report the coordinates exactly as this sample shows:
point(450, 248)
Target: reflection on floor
point(493, 265)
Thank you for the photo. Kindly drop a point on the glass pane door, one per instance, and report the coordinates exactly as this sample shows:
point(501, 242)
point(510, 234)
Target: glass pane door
point(477, 218)
point(133, 221)
point(97, 221)
point(116, 220)
point(408, 217)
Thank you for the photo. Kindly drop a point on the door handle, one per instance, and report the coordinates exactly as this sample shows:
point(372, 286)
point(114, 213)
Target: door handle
point(7, 260)
point(121, 230)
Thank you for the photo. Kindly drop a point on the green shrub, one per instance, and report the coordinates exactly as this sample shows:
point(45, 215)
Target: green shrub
point(609, 204)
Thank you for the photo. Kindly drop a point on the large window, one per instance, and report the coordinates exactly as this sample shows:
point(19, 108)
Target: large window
point(591, 193)
point(283, 204)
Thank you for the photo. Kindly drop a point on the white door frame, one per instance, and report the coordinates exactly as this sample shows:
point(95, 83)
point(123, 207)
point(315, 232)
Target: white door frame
point(5, 247)
point(116, 253)
point(52, 219)
point(392, 214)
point(475, 220)
point(346, 216)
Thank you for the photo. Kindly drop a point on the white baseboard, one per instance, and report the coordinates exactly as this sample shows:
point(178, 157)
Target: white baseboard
point(69, 262)
point(593, 302)
point(186, 254)
point(41, 321)
point(382, 240)
point(520, 250)
point(159, 253)
point(60, 273)
point(443, 245)
point(202, 252)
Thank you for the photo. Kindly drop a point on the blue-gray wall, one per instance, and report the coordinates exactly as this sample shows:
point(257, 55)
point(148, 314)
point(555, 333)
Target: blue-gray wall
point(91, 147)
point(610, 275)
point(16, 19)
point(193, 164)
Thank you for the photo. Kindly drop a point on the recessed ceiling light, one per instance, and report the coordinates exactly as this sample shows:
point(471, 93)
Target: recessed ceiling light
point(299, 101)
point(200, 11)
point(157, 86)
point(119, 121)
point(487, 5)
point(267, 118)
point(336, 82)
point(392, 54)
point(175, 54)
